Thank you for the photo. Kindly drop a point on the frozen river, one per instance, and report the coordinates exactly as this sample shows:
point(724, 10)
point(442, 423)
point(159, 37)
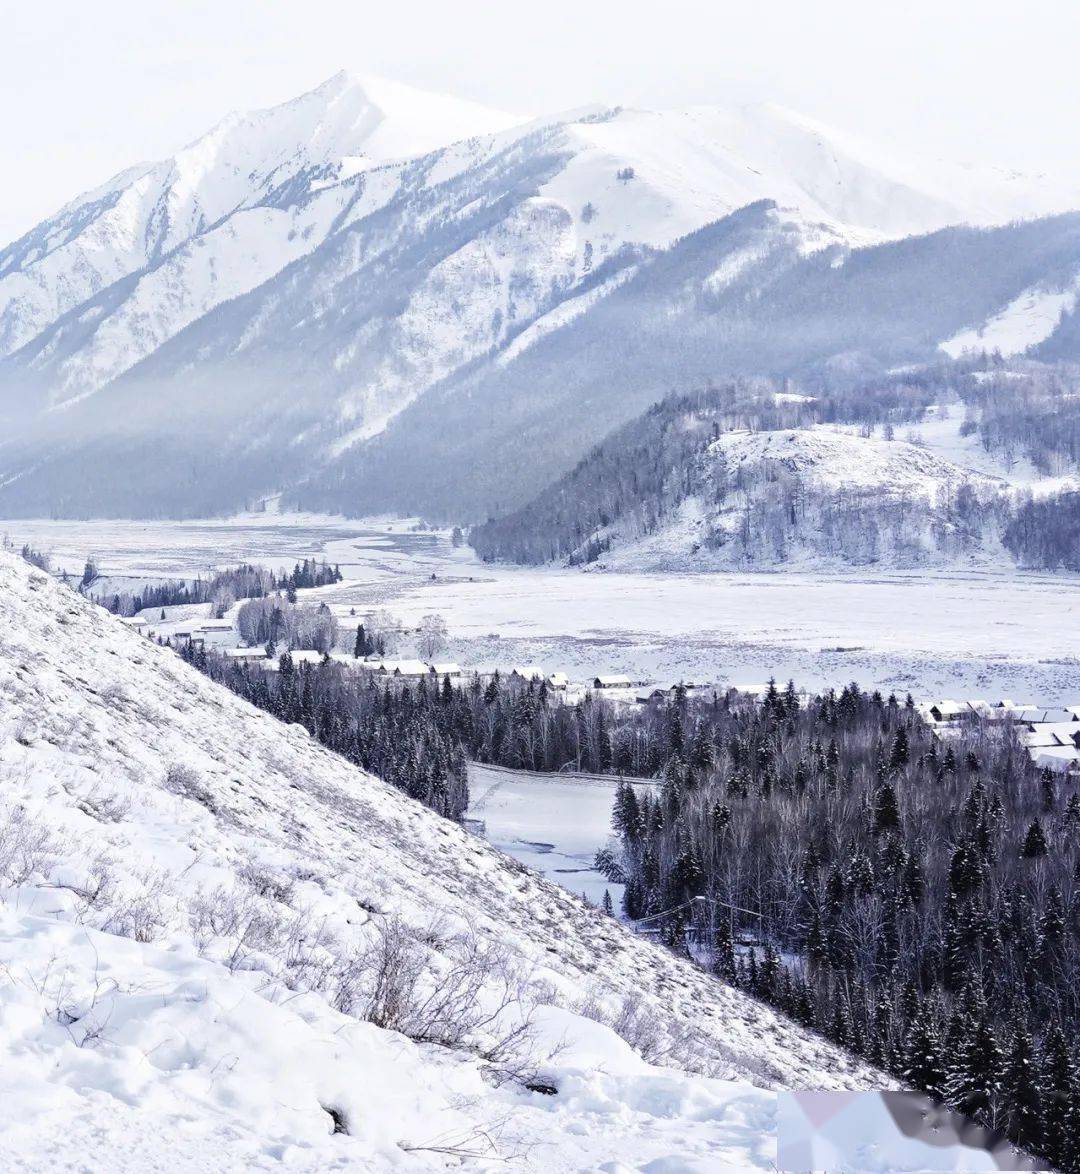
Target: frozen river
point(552, 823)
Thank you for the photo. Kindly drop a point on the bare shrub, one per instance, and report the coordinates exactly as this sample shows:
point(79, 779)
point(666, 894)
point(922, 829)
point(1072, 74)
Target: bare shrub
point(186, 781)
point(238, 918)
point(140, 916)
point(266, 882)
point(115, 694)
point(26, 847)
point(637, 1023)
point(104, 808)
point(466, 996)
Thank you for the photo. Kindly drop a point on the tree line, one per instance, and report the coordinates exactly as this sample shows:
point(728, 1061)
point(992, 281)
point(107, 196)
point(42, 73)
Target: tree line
point(222, 589)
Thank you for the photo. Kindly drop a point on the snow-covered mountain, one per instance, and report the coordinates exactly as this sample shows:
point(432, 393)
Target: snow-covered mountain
point(214, 220)
point(284, 291)
point(196, 903)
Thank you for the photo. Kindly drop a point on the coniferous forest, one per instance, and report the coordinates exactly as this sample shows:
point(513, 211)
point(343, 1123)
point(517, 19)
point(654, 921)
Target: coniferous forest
point(913, 898)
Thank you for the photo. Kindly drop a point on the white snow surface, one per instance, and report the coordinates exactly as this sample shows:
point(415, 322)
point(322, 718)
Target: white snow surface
point(184, 882)
point(1030, 318)
point(835, 459)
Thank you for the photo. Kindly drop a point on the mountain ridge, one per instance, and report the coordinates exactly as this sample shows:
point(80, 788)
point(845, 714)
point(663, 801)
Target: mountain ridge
point(275, 292)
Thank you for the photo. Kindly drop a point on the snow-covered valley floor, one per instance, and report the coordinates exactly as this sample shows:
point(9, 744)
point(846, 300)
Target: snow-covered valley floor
point(933, 633)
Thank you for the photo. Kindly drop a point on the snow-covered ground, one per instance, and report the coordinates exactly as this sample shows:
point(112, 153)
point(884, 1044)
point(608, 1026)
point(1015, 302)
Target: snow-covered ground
point(194, 901)
point(1030, 318)
point(935, 633)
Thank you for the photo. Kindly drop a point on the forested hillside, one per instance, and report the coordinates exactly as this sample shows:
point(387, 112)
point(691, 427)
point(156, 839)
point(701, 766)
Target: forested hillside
point(913, 899)
point(973, 460)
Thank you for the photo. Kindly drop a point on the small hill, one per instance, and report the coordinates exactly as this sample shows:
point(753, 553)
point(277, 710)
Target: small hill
point(799, 495)
point(226, 948)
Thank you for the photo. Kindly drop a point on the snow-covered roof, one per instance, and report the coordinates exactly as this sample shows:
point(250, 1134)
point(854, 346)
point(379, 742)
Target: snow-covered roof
point(256, 653)
point(305, 656)
point(558, 680)
point(1059, 758)
point(1063, 733)
point(403, 668)
point(216, 626)
point(1037, 716)
point(446, 669)
point(134, 621)
point(1040, 736)
point(612, 681)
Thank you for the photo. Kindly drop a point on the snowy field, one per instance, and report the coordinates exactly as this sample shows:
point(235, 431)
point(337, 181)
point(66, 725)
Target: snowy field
point(933, 633)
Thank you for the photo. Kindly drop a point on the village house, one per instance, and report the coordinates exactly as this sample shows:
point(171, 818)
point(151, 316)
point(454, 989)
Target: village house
point(558, 681)
point(401, 668)
point(612, 681)
point(453, 671)
point(221, 627)
point(1051, 735)
point(258, 652)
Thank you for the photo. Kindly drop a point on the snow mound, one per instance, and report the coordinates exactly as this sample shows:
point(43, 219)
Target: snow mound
point(842, 459)
point(193, 896)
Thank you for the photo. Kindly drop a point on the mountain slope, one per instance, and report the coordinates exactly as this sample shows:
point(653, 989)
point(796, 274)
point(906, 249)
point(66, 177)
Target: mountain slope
point(194, 896)
point(738, 297)
point(347, 282)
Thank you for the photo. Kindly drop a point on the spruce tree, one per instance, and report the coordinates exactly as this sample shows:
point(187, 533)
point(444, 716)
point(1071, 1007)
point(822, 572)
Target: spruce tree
point(886, 810)
point(1061, 1106)
point(1021, 1094)
point(1034, 842)
point(924, 1066)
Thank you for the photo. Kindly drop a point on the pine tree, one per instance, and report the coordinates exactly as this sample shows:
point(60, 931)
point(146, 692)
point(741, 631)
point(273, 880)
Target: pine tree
point(1020, 1090)
point(974, 1068)
point(609, 909)
point(1061, 1104)
point(899, 757)
point(924, 1066)
point(724, 950)
point(886, 810)
point(1034, 842)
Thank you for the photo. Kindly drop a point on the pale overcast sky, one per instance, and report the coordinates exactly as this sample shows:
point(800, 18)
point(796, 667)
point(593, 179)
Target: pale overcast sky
point(87, 89)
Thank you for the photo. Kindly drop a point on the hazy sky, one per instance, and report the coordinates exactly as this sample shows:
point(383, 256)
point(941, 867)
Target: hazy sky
point(87, 89)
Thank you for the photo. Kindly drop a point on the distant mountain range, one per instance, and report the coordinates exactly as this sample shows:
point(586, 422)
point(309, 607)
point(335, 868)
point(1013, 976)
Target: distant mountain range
point(371, 298)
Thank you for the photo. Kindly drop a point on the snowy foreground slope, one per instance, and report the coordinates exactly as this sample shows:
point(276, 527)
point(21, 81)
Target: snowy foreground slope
point(195, 897)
